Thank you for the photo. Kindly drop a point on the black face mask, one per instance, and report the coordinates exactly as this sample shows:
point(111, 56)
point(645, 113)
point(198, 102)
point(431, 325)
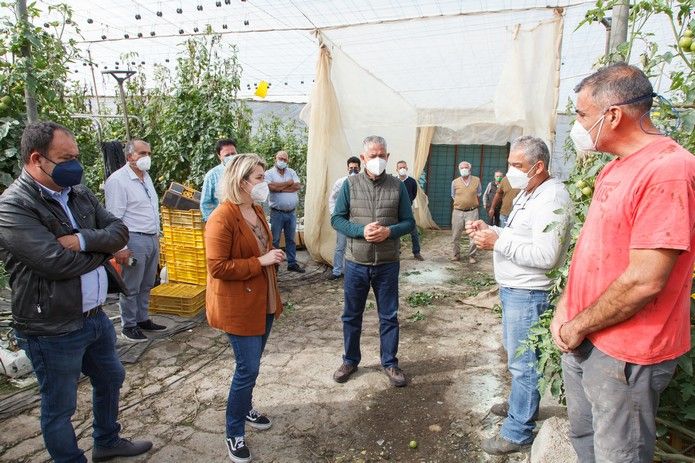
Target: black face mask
point(66, 173)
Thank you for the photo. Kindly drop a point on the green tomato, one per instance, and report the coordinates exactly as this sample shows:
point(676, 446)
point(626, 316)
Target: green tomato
point(688, 33)
point(413, 444)
point(685, 43)
point(587, 191)
point(581, 184)
point(6, 100)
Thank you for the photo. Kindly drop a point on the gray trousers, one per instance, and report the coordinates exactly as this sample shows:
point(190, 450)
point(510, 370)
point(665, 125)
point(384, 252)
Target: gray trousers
point(612, 405)
point(458, 219)
point(139, 279)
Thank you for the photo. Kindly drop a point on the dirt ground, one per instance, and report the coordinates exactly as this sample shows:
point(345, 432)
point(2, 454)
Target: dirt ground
point(175, 394)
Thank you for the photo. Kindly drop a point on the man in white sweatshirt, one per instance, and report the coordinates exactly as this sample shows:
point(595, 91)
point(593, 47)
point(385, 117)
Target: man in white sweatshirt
point(533, 242)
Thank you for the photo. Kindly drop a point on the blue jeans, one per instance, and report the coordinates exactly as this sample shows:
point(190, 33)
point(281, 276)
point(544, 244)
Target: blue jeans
point(383, 279)
point(247, 353)
point(521, 308)
point(415, 238)
point(339, 254)
point(503, 220)
point(287, 221)
point(58, 362)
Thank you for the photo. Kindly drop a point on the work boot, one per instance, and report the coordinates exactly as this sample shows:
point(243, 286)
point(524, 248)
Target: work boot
point(396, 376)
point(497, 445)
point(343, 373)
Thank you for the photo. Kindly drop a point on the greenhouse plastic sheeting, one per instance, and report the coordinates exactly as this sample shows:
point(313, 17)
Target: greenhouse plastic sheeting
point(475, 78)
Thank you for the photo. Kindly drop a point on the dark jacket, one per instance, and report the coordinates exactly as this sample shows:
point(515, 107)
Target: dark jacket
point(44, 276)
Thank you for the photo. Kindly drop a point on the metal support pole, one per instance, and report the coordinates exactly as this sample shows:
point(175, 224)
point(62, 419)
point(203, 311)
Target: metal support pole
point(619, 25)
point(94, 80)
point(29, 97)
point(122, 76)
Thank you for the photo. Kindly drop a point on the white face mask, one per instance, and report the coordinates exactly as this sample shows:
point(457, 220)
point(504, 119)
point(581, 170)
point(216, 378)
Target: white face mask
point(227, 159)
point(259, 192)
point(144, 163)
point(376, 166)
point(582, 137)
point(281, 165)
point(402, 171)
point(518, 179)
point(465, 172)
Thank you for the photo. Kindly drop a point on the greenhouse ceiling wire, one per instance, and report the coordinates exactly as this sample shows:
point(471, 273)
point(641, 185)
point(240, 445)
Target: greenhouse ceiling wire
point(276, 42)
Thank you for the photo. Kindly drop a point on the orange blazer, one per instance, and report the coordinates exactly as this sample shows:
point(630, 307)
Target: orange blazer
point(236, 301)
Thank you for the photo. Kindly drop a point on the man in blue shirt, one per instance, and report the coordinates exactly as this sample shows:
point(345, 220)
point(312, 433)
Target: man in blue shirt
point(209, 199)
point(284, 184)
point(56, 241)
point(373, 211)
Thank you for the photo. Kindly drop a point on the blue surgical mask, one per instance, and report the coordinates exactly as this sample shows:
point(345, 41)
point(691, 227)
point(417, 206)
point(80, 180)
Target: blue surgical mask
point(281, 165)
point(66, 173)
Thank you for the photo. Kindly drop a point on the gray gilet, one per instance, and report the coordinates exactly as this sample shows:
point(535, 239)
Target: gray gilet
point(372, 201)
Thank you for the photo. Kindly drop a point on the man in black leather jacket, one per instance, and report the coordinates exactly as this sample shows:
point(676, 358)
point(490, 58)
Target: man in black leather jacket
point(56, 240)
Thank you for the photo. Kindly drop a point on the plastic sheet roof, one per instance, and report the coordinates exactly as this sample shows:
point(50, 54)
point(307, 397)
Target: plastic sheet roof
point(277, 42)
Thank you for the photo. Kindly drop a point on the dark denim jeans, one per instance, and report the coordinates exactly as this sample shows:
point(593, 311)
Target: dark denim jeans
point(383, 279)
point(521, 308)
point(58, 362)
point(247, 353)
point(415, 238)
point(284, 221)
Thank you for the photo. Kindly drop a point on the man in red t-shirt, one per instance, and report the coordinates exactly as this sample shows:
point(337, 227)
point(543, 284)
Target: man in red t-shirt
point(624, 317)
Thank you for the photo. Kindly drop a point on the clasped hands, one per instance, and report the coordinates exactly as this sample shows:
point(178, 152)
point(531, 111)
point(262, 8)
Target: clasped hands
point(376, 233)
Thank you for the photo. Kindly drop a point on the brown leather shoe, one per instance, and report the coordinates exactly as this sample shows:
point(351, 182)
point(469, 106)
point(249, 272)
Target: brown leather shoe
point(343, 373)
point(396, 376)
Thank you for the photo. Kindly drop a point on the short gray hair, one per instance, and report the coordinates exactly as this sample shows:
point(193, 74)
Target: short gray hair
point(620, 84)
point(130, 146)
point(373, 140)
point(534, 149)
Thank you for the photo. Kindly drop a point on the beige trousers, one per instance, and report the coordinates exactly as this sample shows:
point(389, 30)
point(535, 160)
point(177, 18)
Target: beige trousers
point(458, 220)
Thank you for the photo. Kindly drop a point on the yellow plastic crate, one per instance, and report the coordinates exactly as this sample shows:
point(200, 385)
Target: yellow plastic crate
point(182, 236)
point(177, 299)
point(177, 218)
point(186, 265)
point(162, 252)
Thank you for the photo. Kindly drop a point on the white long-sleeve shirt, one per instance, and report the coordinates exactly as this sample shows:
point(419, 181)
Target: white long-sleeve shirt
point(525, 251)
point(334, 193)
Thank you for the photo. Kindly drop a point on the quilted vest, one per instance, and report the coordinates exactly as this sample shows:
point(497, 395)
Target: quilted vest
point(372, 201)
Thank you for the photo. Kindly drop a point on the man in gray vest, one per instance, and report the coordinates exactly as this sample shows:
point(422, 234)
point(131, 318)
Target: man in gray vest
point(373, 210)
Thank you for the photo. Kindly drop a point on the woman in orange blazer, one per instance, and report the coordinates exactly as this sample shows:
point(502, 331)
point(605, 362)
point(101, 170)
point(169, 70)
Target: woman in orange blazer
point(242, 297)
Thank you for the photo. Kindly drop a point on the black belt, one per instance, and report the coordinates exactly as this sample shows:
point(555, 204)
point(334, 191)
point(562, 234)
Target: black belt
point(141, 233)
point(92, 312)
point(467, 210)
point(280, 210)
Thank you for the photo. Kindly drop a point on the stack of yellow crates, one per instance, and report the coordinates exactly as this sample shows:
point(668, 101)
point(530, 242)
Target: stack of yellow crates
point(184, 253)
